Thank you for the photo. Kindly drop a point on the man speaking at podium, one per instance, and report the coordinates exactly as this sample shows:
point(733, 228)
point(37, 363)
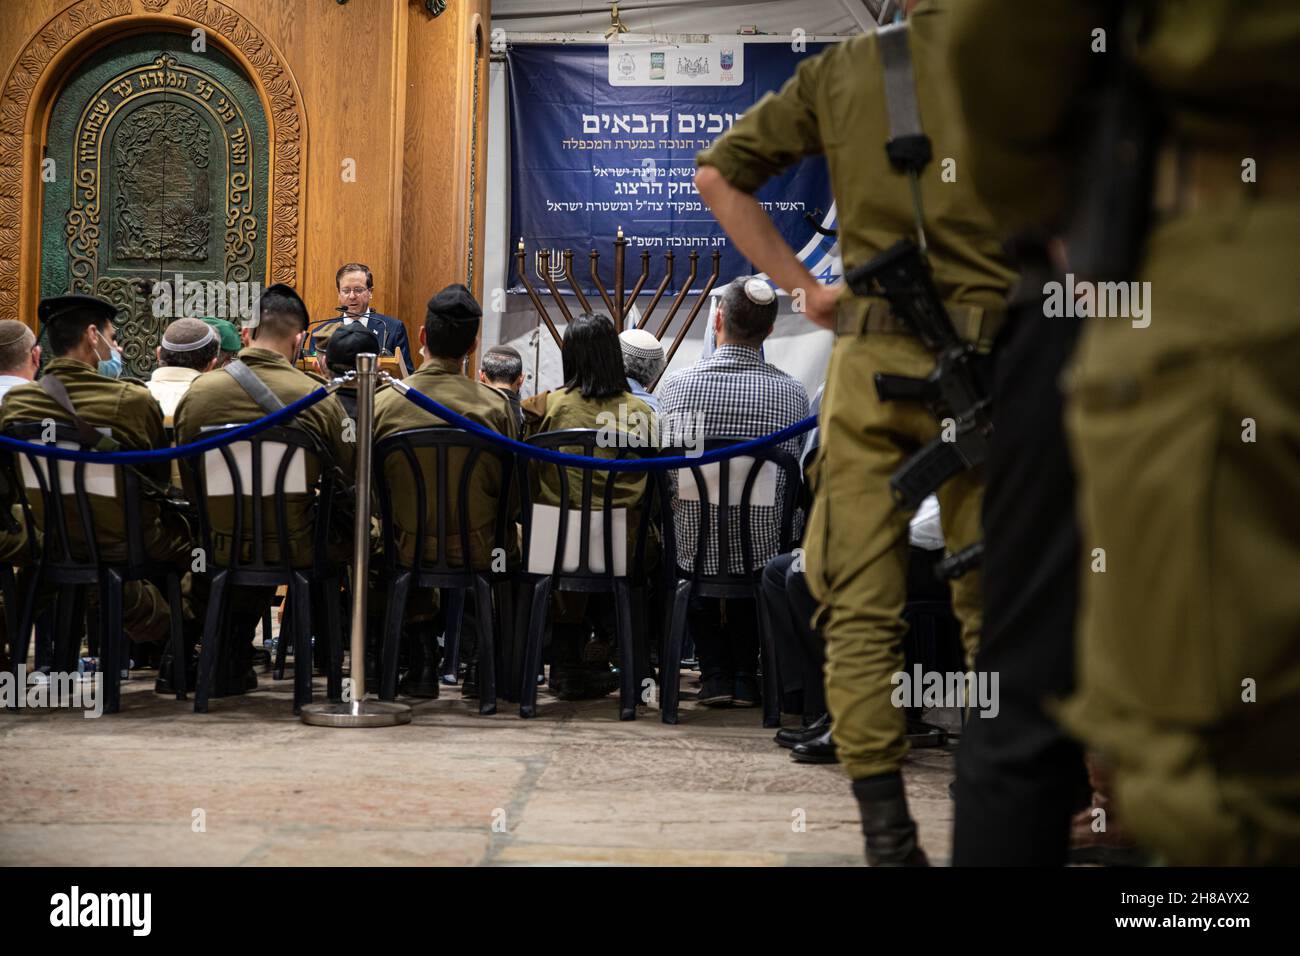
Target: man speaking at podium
point(356, 285)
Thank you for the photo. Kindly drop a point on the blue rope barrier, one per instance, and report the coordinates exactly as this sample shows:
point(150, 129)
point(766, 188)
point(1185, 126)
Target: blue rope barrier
point(665, 463)
point(167, 454)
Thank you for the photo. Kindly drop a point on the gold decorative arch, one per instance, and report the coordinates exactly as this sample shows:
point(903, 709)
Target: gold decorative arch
point(45, 64)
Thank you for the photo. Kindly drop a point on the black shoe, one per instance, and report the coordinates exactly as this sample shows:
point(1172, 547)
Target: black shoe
point(422, 679)
point(789, 736)
point(570, 682)
point(746, 691)
point(887, 827)
point(469, 684)
point(820, 749)
point(237, 685)
point(717, 690)
point(164, 684)
point(261, 657)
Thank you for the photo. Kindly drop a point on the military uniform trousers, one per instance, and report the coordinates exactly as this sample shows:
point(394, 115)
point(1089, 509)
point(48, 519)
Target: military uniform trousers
point(857, 544)
point(1187, 438)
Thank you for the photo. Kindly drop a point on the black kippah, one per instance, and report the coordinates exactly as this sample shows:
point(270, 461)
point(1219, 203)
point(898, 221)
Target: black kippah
point(455, 304)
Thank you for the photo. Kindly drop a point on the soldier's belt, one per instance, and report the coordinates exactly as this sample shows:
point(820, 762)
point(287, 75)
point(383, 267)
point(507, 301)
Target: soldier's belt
point(1195, 176)
point(975, 324)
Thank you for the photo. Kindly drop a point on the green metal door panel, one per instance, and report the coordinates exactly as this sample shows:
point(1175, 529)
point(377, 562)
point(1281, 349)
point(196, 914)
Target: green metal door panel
point(160, 168)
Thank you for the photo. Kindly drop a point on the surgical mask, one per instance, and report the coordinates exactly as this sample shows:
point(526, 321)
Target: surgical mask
point(112, 366)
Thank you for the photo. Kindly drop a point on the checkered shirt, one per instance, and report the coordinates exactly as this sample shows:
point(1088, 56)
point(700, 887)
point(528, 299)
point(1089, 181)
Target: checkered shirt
point(738, 395)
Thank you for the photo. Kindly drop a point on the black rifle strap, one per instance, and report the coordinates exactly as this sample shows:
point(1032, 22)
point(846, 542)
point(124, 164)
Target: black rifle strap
point(254, 386)
point(908, 148)
point(89, 436)
point(92, 437)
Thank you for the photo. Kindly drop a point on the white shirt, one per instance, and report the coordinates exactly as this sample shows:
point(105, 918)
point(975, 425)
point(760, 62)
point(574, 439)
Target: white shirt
point(349, 319)
point(924, 529)
point(168, 385)
point(9, 381)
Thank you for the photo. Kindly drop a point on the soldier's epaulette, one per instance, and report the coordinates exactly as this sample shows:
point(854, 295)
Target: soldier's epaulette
point(314, 376)
point(133, 380)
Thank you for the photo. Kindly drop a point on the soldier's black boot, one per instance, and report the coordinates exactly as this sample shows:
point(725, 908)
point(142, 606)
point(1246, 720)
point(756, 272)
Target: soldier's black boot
point(889, 829)
point(422, 678)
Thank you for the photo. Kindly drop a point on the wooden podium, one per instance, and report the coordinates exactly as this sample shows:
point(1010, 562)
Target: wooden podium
point(367, 121)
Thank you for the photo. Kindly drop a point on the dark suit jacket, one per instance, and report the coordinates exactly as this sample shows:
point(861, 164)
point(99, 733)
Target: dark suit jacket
point(391, 333)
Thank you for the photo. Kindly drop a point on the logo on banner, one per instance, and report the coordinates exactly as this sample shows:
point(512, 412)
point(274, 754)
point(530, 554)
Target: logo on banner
point(556, 267)
point(693, 66)
point(728, 60)
point(657, 71)
point(626, 64)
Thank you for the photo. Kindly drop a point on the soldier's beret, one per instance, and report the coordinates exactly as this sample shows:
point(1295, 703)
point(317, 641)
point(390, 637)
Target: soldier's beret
point(91, 308)
point(455, 304)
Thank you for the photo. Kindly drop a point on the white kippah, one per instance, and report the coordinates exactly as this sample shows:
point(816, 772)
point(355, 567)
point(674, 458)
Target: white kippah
point(641, 343)
point(758, 291)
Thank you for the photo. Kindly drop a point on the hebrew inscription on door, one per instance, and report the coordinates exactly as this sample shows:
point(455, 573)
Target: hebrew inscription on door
point(168, 153)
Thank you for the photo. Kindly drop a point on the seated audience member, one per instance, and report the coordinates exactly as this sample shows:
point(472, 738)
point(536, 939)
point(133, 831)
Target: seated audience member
point(594, 394)
point(502, 367)
point(81, 336)
point(219, 398)
point(451, 331)
point(733, 394)
point(20, 356)
point(340, 357)
point(643, 363)
point(229, 337)
point(189, 348)
point(801, 649)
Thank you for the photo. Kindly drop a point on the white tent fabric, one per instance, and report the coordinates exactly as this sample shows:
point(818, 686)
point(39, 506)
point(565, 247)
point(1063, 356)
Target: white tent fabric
point(681, 16)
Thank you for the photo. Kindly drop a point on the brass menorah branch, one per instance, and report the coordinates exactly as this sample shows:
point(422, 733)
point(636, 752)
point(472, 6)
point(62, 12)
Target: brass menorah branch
point(620, 303)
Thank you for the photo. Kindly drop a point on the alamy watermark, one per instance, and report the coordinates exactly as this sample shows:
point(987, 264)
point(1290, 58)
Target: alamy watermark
point(977, 690)
point(1102, 300)
point(57, 689)
point(181, 298)
point(632, 428)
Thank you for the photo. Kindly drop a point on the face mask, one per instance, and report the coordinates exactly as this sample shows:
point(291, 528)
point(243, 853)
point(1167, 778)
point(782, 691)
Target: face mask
point(111, 367)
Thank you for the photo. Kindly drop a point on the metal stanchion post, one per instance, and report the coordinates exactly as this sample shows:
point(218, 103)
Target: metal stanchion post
point(360, 712)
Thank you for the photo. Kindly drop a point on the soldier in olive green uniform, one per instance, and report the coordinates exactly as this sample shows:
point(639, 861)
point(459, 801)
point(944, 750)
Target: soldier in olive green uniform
point(80, 332)
point(449, 334)
point(595, 395)
point(856, 541)
point(1185, 427)
point(217, 398)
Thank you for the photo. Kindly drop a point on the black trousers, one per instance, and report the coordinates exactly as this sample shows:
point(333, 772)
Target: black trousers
point(725, 634)
point(800, 647)
point(1019, 777)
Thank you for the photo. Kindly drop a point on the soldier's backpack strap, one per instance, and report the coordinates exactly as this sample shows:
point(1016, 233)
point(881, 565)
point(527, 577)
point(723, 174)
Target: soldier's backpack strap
point(87, 433)
point(257, 389)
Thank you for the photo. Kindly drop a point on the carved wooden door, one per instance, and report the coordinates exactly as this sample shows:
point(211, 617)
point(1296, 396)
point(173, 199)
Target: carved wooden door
point(156, 173)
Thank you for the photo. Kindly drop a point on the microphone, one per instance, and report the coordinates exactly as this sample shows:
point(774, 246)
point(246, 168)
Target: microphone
point(310, 336)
